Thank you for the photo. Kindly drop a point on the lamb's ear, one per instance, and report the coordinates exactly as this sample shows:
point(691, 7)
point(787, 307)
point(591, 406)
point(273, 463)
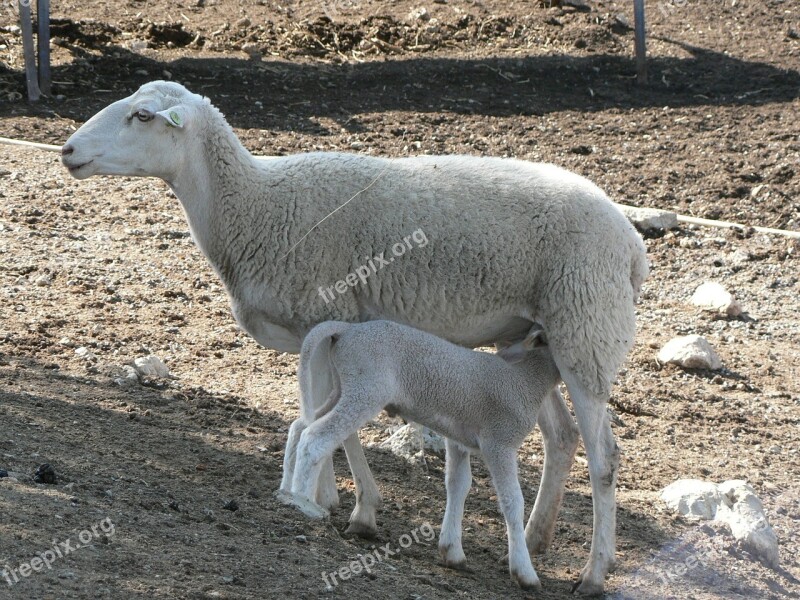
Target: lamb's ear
point(535, 337)
point(514, 353)
point(175, 116)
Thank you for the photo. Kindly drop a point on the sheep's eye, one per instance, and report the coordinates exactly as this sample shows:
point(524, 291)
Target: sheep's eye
point(143, 115)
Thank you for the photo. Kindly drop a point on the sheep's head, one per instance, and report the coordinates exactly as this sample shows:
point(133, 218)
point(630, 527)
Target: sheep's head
point(142, 135)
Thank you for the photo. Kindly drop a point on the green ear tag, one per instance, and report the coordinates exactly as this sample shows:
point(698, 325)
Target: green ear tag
point(175, 118)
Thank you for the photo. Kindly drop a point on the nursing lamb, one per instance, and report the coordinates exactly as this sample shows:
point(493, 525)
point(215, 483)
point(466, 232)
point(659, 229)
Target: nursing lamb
point(480, 402)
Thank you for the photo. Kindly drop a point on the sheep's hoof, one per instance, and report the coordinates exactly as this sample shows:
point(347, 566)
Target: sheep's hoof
point(460, 565)
point(361, 530)
point(527, 583)
point(308, 507)
point(584, 587)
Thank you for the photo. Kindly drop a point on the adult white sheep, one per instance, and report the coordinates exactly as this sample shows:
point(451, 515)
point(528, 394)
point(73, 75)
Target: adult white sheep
point(481, 402)
point(511, 243)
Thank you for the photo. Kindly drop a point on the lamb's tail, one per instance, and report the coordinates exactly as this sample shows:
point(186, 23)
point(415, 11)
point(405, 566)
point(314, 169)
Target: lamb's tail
point(316, 375)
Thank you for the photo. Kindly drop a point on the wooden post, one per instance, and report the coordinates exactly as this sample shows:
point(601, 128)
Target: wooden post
point(641, 47)
point(43, 44)
point(27, 49)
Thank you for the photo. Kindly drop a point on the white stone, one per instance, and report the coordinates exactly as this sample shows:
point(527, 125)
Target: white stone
point(690, 351)
point(151, 366)
point(733, 503)
point(408, 441)
point(744, 513)
point(714, 297)
point(86, 354)
point(693, 498)
point(649, 218)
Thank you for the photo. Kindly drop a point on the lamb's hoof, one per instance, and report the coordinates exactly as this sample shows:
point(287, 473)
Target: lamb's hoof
point(308, 507)
point(362, 530)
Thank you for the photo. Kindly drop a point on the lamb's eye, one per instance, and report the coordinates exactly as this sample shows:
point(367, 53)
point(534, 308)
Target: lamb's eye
point(143, 115)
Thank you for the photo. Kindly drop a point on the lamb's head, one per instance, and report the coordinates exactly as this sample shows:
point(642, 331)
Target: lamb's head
point(143, 135)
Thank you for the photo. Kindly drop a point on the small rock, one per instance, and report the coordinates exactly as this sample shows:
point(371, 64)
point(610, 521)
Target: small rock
point(65, 341)
point(243, 22)
point(409, 440)
point(231, 505)
point(649, 218)
point(301, 538)
point(693, 498)
point(691, 352)
point(43, 280)
point(419, 14)
point(714, 297)
point(84, 353)
point(3, 473)
point(151, 366)
point(45, 474)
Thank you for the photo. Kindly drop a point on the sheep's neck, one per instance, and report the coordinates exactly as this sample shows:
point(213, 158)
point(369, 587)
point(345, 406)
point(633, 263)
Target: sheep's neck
point(210, 189)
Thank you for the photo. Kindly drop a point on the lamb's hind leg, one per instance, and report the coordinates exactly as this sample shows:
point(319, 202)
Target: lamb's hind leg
point(368, 497)
point(560, 442)
point(324, 435)
point(502, 463)
point(603, 456)
point(458, 479)
point(327, 495)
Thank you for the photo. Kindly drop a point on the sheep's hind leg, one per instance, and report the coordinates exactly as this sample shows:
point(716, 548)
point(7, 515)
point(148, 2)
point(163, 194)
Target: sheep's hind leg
point(368, 497)
point(603, 456)
point(560, 442)
point(458, 479)
point(502, 463)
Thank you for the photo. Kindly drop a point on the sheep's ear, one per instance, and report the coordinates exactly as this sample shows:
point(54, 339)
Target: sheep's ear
point(514, 353)
point(175, 116)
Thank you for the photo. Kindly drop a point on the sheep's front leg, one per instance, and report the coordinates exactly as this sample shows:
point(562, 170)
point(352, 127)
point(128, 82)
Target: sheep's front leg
point(602, 453)
point(458, 479)
point(502, 463)
point(560, 436)
point(368, 497)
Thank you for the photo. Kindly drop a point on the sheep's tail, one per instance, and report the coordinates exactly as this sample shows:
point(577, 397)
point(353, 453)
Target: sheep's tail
point(316, 375)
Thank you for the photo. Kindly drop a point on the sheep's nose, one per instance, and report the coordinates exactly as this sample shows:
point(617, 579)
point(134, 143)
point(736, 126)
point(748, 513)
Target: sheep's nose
point(66, 150)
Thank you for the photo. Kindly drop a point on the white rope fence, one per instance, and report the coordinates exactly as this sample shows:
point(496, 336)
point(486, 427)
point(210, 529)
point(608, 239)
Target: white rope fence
point(681, 218)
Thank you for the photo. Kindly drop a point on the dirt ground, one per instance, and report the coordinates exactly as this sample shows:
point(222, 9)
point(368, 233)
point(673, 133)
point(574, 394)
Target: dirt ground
point(97, 273)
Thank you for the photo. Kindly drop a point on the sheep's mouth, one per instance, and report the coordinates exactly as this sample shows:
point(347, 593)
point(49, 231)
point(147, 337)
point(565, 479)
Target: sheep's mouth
point(75, 168)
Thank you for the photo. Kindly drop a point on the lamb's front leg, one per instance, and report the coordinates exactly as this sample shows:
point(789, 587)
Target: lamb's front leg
point(502, 463)
point(458, 479)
